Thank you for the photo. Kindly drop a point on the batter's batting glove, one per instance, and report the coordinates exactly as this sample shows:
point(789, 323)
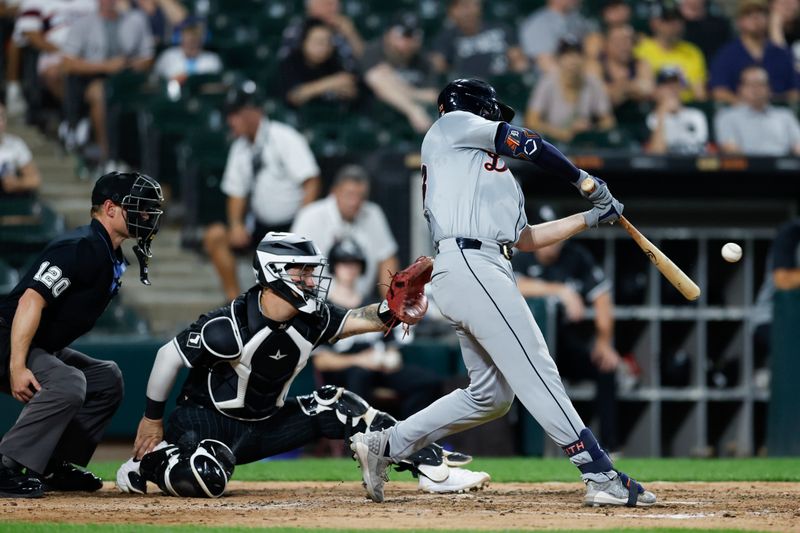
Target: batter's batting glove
point(607, 209)
point(596, 216)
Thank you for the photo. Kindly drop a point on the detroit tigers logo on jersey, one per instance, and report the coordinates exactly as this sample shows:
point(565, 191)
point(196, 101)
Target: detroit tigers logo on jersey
point(495, 164)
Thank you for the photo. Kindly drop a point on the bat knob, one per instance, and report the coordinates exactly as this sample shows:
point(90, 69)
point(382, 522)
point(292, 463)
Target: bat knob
point(588, 185)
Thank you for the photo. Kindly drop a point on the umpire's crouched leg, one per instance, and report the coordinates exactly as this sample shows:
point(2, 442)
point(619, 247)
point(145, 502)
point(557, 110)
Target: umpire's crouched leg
point(104, 392)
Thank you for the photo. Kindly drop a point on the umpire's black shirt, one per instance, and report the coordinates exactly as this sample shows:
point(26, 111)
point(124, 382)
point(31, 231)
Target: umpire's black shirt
point(77, 274)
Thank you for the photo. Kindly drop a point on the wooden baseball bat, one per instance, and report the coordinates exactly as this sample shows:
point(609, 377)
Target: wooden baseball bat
point(664, 264)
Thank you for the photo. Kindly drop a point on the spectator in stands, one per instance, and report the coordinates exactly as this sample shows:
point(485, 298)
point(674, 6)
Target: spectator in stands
point(754, 127)
point(667, 48)
point(365, 362)
point(18, 172)
point(540, 32)
point(346, 40)
point(703, 28)
point(100, 45)
point(470, 47)
point(675, 129)
point(399, 74)
point(15, 102)
point(753, 47)
point(585, 350)
point(784, 27)
point(313, 72)
point(45, 25)
point(346, 214)
point(615, 13)
point(569, 100)
point(180, 62)
point(782, 272)
point(164, 16)
point(627, 79)
point(269, 175)
point(786, 256)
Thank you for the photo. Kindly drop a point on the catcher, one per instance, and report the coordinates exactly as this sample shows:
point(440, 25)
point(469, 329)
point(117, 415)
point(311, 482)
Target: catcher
point(233, 408)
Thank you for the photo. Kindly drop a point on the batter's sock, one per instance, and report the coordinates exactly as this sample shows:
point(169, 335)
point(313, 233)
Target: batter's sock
point(592, 460)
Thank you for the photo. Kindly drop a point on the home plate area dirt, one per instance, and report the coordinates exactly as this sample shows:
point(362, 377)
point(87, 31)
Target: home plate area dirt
point(744, 505)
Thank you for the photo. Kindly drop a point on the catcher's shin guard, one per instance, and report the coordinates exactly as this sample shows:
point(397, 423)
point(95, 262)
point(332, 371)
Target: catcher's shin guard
point(357, 416)
point(203, 472)
point(354, 413)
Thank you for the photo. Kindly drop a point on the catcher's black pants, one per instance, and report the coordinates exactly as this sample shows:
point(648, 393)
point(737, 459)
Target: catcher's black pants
point(66, 419)
point(286, 430)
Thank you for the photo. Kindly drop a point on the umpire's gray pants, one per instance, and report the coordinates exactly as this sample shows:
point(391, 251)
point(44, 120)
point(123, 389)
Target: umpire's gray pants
point(66, 419)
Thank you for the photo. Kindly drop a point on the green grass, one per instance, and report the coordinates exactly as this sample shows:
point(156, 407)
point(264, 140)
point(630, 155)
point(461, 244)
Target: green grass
point(24, 527)
point(524, 470)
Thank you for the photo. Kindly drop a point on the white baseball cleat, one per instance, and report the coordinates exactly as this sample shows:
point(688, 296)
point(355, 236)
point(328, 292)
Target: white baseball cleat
point(368, 451)
point(129, 480)
point(459, 480)
point(622, 490)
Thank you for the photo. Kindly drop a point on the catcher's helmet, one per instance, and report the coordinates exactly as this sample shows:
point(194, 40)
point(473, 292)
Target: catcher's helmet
point(475, 96)
point(346, 250)
point(278, 251)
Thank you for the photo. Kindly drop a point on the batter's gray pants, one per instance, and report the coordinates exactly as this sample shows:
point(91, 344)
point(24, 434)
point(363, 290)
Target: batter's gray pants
point(503, 350)
point(66, 419)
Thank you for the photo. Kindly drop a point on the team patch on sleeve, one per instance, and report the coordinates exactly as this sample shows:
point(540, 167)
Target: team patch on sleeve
point(520, 143)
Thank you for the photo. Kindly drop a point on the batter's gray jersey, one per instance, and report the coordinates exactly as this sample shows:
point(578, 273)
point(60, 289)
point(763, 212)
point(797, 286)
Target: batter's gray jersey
point(470, 193)
point(468, 190)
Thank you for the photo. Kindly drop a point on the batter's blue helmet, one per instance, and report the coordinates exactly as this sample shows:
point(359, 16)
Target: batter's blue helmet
point(476, 97)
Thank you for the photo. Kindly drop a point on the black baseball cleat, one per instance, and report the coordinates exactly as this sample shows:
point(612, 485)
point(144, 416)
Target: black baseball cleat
point(69, 478)
point(15, 484)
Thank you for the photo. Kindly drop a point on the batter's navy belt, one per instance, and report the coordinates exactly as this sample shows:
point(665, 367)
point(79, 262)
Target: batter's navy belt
point(463, 243)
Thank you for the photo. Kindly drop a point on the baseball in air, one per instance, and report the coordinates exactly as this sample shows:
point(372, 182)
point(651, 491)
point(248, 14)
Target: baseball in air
point(731, 252)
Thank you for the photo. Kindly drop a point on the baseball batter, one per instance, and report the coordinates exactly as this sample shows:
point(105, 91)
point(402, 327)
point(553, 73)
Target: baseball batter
point(475, 211)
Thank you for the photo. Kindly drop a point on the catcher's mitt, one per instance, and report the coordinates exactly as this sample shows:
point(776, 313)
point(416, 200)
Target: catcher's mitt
point(406, 298)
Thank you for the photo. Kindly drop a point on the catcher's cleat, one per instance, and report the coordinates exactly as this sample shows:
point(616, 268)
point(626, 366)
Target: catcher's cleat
point(129, 479)
point(622, 490)
point(69, 478)
point(15, 484)
point(459, 480)
point(368, 451)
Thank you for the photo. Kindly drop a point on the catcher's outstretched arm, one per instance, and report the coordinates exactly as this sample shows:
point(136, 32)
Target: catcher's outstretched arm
point(363, 320)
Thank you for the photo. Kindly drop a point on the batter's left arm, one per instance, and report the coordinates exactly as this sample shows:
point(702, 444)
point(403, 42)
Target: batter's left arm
point(522, 143)
point(540, 235)
point(527, 145)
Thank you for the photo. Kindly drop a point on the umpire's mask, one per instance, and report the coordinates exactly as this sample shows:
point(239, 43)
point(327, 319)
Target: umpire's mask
point(143, 206)
point(141, 197)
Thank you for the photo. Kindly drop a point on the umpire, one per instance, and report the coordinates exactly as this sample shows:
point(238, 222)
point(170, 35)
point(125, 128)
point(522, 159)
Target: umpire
point(69, 397)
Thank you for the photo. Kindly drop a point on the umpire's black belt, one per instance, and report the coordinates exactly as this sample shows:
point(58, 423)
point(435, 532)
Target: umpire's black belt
point(463, 243)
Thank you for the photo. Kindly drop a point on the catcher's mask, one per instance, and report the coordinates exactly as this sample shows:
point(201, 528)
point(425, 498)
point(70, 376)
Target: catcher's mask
point(140, 197)
point(293, 267)
point(475, 96)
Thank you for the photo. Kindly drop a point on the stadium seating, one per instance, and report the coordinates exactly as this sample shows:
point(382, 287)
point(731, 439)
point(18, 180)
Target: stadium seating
point(8, 278)
point(27, 225)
